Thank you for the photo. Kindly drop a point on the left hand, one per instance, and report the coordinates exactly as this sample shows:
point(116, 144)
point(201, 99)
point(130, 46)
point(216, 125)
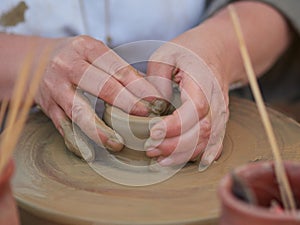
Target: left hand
point(198, 125)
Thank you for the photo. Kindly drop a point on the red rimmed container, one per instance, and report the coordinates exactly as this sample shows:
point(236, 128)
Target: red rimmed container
point(260, 178)
point(8, 209)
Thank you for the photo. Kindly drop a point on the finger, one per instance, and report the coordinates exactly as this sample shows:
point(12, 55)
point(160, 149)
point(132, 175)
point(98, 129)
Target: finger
point(106, 87)
point(200, 133)
point(57, 115)
point(75, 140)
point(101, 84)
point(199, 150)
point(209, 156)
point(162, 67)
point(180, 158)
point(78, 109)
point(194, 107)
point(160, 75)
point(106, 60)
point(127, 76)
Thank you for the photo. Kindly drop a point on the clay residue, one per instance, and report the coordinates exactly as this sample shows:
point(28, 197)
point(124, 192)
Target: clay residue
point(14, 16)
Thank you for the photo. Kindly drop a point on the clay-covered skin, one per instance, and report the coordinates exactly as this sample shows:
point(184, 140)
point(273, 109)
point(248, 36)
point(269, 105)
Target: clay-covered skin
point(159, 107)
point(77, 142)
point(135, 130)
point(81, 145)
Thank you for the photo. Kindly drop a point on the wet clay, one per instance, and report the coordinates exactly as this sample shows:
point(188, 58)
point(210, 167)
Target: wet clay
point(135, 130)
point(82, 146)
point(51, 184)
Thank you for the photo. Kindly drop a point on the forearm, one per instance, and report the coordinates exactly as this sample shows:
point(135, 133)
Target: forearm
point(266, 34)
point(15, 49)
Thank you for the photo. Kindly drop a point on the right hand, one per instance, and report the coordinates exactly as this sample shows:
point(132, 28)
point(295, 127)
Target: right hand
point(88, 64)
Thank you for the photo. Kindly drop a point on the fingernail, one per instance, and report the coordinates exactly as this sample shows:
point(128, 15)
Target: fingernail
point(166, 162)
point(115, 143)
point(154, 121)
point(157, 134)
point(153, 152)
point(157, 128)
point(205, 163)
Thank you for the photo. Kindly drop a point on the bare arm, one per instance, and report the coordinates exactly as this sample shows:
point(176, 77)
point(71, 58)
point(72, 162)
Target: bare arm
point(266, 32)
point(14, 50)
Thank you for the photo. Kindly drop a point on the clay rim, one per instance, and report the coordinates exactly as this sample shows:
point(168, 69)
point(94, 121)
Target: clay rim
point(120, 115)
point(228, 200)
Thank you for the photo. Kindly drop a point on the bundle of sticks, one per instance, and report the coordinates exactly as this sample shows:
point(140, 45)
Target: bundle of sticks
point(17, 107)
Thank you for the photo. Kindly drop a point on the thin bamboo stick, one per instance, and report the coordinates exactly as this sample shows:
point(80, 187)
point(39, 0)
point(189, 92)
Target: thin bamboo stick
point(4, 105)
point(16, 102)
point(18, 92)
point(284, 186)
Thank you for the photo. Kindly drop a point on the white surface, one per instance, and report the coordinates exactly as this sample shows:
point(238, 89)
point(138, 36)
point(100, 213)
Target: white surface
point(130, 20)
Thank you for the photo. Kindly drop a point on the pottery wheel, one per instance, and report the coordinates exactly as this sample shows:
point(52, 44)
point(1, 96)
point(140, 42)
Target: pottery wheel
point(54, 185)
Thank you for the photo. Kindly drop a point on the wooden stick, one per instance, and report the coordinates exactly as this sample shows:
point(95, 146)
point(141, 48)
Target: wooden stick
point(16, 101)
point(284, 186)
point(4, 105)
point(15, 124)
point(18, 92)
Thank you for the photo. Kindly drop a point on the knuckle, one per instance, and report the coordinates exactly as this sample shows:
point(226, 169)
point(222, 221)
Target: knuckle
point(205, 129)
point(206, 125)
point(202, 107)
point(125, 70)
point(80, 40)
point(198, 151)
point(47, 86)
point(108, 90)
point(168, 150)
point(119, 69)
point(178, 127)
point(58, 64)
point(85, 43)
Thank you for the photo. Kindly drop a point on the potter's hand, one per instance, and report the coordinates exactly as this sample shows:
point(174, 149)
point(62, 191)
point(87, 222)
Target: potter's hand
point(205, 61)
point(88, 64)
point(198, 125)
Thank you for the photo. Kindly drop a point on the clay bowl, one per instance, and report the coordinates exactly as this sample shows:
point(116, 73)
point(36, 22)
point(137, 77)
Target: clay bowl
point(260, 179)
point(8, 210)
point(135, 130)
